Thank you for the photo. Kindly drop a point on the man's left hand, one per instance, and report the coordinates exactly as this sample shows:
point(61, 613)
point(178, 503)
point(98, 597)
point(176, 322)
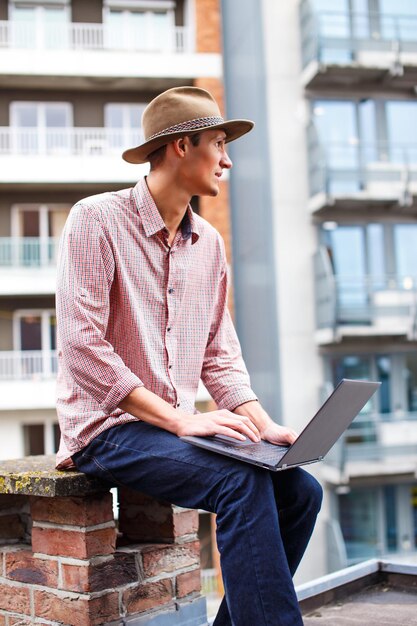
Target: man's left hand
point(279, 435)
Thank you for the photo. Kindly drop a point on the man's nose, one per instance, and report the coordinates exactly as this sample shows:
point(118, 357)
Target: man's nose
point(226, 161)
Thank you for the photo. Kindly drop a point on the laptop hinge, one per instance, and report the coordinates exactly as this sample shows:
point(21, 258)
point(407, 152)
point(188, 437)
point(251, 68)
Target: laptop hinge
point(284, 465)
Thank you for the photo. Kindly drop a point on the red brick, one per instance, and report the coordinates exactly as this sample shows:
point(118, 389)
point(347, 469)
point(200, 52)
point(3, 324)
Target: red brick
point(81, 545)
point(188, 582)
point(159, 559)
point(19, 621)
point(11, 527)
point(117, 571)
point(24, 567)
point(2, 620)
point(185, 523)
point(75, 610)
point(208, 26)
point(143, 519)
point(88, 511)
point(147, 596)
point(14, 599)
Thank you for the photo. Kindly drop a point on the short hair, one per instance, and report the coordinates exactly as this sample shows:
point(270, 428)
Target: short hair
point(156, 157)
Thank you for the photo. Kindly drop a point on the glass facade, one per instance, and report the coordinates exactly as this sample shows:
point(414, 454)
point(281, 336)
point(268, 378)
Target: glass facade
point(378, 521)
point(397, 372)
point(362, 143)
point(346, 31)
point(373, 271)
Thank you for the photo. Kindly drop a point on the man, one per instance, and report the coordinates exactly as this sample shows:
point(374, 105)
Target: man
point(142, 315)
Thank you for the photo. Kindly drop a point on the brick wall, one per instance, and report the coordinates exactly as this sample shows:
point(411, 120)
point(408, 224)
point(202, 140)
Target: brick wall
point(77, 568)
point(208, 25)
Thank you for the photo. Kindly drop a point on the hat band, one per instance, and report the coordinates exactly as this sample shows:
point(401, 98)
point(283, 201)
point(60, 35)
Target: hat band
point(189, 125)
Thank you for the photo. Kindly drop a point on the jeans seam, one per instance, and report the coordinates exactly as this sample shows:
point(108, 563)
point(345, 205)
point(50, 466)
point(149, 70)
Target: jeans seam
point(149, 454)
point(102, 468)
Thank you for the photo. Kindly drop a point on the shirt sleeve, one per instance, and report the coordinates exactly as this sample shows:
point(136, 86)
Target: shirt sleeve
point(85, 276)
point(224, 372)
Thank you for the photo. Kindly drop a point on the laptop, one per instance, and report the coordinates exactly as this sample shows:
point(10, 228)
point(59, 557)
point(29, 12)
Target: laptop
point(313, 443)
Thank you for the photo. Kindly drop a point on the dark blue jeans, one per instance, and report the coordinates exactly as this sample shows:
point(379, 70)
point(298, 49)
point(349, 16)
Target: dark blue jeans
point(264, 519)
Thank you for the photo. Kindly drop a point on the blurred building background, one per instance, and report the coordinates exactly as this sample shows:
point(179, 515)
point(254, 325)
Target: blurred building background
point(75, 77)
point(324, 206)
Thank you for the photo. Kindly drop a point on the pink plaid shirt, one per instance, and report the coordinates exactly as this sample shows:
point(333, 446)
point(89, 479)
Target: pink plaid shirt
point(132, 311)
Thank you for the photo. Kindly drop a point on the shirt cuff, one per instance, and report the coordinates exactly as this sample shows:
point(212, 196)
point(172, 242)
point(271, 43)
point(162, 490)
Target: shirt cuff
point(236, 397)
point(119, 391)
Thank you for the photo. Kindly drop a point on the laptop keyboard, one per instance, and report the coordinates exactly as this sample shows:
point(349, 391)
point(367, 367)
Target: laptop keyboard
point(258, 452)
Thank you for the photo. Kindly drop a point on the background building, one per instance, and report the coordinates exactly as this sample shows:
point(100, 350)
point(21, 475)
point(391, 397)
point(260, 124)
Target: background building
point(75, 77)
point(324, 206)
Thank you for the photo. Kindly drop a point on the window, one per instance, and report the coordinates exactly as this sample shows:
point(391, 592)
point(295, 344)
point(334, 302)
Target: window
point(379, 520)
point(141, 29)
point(402, 131)
point(41, 127)
point(40, 438)
point(123, 122)
point(356, 367)
point(337, 128)
point(398, 19)
point(358, 140)
point(37, 25)
point(358, 516)
point(397, 395)
point(36, 230)
point(34, 336)
point(33, 439)
point(358, 258)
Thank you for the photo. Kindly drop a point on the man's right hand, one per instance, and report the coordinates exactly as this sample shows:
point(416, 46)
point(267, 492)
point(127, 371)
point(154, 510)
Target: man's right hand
point(220, 422)
point(147, 406)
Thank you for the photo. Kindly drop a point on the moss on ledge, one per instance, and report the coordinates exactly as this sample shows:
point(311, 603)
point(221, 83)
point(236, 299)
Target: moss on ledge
point(37, 476)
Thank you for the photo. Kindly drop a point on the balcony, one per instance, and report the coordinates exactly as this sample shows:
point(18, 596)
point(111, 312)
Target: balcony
point(78, 52)
point(359, 175)
point(358, 50)
point(378, 444)
point(67, 155)
point(363, 306)
point(27, 265)
point(28, 380)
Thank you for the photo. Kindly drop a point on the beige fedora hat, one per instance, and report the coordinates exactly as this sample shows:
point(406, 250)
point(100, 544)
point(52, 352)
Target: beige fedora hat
point(178, 112)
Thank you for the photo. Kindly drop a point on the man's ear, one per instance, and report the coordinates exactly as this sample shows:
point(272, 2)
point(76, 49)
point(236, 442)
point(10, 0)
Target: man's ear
point(180, 146)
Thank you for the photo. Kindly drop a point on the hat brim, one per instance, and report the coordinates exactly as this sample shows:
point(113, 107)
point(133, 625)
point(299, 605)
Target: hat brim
point(233, 129)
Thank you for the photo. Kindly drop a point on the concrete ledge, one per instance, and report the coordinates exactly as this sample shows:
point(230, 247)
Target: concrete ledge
point(190, 613)
point(37, 476)
point(339, 585)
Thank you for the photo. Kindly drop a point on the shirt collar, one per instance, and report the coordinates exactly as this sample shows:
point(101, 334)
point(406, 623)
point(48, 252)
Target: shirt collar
point(151, 218)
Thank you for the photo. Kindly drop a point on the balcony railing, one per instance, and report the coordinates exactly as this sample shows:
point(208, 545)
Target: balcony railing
point(78, 36)
point(28, 251)
point(28, 365)
point(66, 141)
point(344, 38)
point(386, 303)
point(376, 437)
point(348, 168)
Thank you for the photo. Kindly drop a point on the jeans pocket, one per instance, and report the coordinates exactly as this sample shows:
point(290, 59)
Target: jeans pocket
point(91, 466)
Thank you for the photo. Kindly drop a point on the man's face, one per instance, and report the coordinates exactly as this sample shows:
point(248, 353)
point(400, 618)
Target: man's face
point(205, 163)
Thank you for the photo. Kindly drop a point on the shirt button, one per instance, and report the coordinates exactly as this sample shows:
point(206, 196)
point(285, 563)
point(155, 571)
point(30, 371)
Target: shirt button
point(170, 367)
point(168, 329)
point(178, 404)
point(170, 290)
